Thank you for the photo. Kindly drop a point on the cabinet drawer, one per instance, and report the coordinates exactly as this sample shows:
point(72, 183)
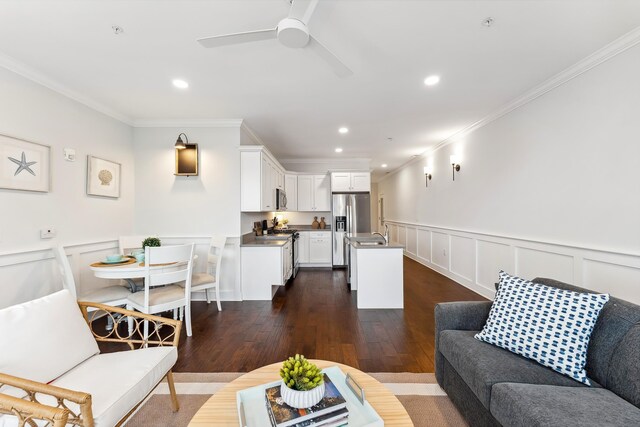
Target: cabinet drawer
point(320, 235)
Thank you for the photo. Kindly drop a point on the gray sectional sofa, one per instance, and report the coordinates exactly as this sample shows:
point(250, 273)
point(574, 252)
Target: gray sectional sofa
point(491, 386)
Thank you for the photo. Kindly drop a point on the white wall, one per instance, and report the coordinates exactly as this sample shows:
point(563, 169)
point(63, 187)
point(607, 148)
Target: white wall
point(191, 208)
point(562, 170)
point(32, 112)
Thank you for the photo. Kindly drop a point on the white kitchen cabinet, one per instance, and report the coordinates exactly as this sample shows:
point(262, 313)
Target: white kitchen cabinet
point(291, 189)
point(350, 181)
point(267, 189)
point(340, 181)
point(260, 176)
point(314, 193)
point(303, 247)
point(320, 247)
point(322, 190)
point(264, 269)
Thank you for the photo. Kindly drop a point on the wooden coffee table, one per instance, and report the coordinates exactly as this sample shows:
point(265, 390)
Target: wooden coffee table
point(221, 408)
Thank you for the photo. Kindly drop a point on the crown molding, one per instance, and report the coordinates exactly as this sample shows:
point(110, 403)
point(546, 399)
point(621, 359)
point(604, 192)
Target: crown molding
point(32, 74)
point(254, 136)
point(187, 123)
point(324, 160)
point(600, 56)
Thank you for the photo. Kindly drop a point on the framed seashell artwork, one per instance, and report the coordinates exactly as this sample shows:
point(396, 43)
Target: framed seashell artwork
point(103, 177)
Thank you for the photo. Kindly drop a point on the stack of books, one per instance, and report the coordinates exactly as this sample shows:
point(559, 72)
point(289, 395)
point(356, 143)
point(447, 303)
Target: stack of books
point(331, 411)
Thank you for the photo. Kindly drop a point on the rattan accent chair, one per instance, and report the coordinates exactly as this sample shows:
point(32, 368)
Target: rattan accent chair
point(70, 381)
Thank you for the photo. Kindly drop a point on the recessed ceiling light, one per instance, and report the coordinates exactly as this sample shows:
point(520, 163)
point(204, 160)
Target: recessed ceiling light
point(487, 22)
point(338, 150)
point(343, 130)
point(384, 165)
point(117, 29)
point(432, 80)
point(180, 84)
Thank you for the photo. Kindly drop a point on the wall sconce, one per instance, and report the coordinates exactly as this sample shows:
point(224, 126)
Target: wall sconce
point(427, 175)
point(186, 157)
point(455, 165)
point(180, 144)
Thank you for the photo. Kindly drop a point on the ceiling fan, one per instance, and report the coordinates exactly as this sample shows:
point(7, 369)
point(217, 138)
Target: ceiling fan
point(292, 31)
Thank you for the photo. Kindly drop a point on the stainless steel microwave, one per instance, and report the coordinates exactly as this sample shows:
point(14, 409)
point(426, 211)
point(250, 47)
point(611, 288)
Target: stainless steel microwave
point(281, 200)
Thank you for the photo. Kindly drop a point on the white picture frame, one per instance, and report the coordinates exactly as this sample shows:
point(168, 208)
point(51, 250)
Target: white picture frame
point(103, 177)
point(24, 165)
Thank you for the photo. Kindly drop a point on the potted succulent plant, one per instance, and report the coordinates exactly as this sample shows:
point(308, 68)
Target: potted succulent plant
point(150, 241)
point(302, 382)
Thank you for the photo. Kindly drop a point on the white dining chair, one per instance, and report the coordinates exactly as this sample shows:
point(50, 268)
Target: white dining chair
point(211, 278)
point(160, 292)
point(114, 295)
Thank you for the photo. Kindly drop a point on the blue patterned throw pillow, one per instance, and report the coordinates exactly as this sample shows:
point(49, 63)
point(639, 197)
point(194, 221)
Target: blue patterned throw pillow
point(549, 325)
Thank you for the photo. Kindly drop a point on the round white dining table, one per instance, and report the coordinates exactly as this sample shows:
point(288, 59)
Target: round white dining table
point(129, 272)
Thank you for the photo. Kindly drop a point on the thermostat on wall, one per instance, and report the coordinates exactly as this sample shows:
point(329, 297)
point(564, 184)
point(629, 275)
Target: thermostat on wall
point(70, 154)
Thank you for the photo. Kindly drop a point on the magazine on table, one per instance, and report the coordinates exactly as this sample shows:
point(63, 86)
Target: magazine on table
point(283, 415)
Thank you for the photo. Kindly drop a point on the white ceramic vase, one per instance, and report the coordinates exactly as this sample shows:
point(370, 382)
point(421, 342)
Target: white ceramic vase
point(301, 399)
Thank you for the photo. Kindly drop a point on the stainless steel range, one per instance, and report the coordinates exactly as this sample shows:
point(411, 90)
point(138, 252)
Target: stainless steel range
point(295, 235)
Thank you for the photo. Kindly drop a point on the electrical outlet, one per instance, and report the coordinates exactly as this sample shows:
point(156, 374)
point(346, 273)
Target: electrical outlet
point(69, 154)
point(444, 252)
point(47, 233)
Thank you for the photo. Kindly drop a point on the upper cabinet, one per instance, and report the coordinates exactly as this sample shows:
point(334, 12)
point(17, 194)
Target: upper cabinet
point(350, 181)
point(291, 189)
point(314, 193)
point(260, 176)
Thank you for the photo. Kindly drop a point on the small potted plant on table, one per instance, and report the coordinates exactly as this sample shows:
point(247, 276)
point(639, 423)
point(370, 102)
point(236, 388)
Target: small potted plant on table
point(149, 241)
point(302, 382)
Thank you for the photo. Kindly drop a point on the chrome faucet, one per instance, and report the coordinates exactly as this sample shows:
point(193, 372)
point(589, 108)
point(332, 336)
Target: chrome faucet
point(385, 236)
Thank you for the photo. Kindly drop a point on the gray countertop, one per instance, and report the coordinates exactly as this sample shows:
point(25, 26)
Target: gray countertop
point(355, 238)
point(308, 228)
point(250, 239)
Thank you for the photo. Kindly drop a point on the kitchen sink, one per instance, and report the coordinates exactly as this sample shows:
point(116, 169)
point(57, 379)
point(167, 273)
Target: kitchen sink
point(371, 243)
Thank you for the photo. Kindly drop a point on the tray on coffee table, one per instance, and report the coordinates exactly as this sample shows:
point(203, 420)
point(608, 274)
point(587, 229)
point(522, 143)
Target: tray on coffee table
point(252, 410)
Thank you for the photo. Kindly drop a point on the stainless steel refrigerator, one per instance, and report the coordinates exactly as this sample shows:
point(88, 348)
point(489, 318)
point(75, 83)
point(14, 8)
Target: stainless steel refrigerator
point(351, 214)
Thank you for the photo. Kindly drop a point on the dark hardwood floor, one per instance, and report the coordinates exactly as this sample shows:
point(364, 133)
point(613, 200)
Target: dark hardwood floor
point(316, 315)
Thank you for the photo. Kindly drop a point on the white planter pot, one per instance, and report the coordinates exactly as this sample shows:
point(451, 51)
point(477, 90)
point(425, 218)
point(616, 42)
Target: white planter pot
point(301, 399)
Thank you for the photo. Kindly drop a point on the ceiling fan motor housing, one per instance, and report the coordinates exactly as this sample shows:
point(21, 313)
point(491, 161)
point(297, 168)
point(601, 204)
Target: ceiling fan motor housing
point(293, 33)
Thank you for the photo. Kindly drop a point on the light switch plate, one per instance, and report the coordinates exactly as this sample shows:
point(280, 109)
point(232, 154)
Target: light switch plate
point(47, 233)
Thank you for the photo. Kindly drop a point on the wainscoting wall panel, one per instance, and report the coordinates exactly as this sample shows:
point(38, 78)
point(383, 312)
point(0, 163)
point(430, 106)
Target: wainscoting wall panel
point(412, 241)
point(424, 244)
point(30, 274)
point(440, 250)
point(474, 259)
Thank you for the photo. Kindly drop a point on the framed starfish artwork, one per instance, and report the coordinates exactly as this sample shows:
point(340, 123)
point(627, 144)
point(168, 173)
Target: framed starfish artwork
point(24, 165)
point(103, 177)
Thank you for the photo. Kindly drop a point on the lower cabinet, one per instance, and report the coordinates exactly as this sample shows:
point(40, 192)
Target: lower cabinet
point(315, 248)
point(264, 270)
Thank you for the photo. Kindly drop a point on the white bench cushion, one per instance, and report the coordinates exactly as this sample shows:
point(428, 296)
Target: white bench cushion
point(44, 338)
point(119, 381)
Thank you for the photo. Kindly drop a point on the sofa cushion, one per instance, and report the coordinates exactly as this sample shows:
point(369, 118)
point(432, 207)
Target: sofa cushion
point(549, 325)
point(118, 381)
point(527, 405)
point(482, 365)
point(55, 327)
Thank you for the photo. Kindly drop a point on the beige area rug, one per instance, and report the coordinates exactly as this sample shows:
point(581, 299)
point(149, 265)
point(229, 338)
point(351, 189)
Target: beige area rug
point(426, 403)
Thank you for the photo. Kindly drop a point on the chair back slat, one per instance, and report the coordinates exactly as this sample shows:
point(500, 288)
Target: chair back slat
point(214, 259)
point(63, 266)
point(167, 278)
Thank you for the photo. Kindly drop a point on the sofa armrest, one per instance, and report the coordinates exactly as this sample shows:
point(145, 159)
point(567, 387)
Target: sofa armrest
point(29, 412)
point(460, 316)
point(162, 331)
point(62, 395)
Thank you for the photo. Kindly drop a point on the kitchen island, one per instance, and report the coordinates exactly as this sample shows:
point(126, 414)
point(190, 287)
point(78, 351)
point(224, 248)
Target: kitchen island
point(376, 271)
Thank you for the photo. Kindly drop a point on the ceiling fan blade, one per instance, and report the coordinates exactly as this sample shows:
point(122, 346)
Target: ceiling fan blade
point(338, 66)
point(302, 9)
point(229, 39)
